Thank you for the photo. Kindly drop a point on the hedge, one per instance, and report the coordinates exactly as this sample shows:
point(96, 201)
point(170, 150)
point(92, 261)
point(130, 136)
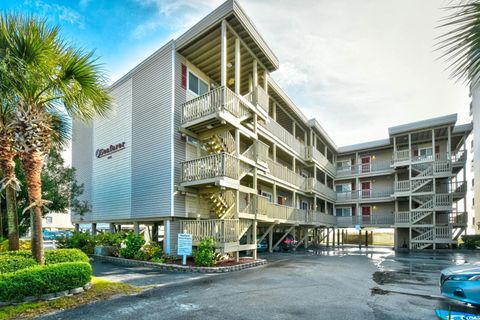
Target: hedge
point(39, 280)
point(15, 262)
point(11, 261)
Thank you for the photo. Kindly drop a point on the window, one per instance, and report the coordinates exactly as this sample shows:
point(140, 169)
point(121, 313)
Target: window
point(196, 85)
point(48, 220)
point(345, 187)
point(267, 195)
point(343, 212)
point(425, 153)
point(343, 165)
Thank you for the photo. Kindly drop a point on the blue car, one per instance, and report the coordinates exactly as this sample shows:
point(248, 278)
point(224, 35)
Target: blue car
point(461, 283)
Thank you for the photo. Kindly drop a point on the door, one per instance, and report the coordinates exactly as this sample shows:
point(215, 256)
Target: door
point(366, 212)
point(366, 192)
point(365, 164)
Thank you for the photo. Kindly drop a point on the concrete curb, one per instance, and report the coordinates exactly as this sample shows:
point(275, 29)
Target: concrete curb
point(179, 268)
point(48, 296)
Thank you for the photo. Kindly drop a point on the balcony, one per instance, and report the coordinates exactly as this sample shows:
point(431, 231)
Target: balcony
point(203, 170)
point(222, 231)
point(365, 169)
point(312, 154)
point(285, 174)
point(257, 152)
point(289, 141)
point(458, 218)
point(286, 213)
point(377, 194)
point(313, 185)
point(320, 218)
point(459, 158)
point(373, 220)
point(210, 109)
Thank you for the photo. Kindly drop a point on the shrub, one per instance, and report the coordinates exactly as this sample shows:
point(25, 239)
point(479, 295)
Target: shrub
point(151, 251)
point(109, 239)
point(40, 280)
point(205, 254)
point(78, 240)
point(471, 241)
point(131, 246)
point(14, 262)
point(24, 245)
point(65, 255)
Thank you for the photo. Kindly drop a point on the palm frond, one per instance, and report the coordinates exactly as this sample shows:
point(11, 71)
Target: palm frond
point(460, 45)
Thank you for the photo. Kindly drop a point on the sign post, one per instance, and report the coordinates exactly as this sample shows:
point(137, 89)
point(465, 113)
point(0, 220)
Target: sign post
point(184, 247)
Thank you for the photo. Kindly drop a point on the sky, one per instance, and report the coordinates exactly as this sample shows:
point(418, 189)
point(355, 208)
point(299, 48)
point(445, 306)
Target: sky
point(358, 67)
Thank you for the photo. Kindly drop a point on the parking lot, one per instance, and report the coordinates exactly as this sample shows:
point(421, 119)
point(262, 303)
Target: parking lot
point(341, 283)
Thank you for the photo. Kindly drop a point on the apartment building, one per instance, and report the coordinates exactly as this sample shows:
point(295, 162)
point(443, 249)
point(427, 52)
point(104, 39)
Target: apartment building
point(202, 139)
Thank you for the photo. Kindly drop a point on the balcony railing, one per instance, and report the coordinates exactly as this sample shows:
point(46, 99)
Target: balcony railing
point(375, 166)
point(286, 137)
point(313, 154)
point(212, 166)
point(401, 155)
point(222, 231)
point(444, 233)
point(386, 219)
point(458, 218)
point(313, 185)
point(402, 217)
point(218, 99)
point(281, 212)
point(365, 194)
point(283, 173)
point(459, 157)
point(318, 217)
point(257, 151)
point(262, 98)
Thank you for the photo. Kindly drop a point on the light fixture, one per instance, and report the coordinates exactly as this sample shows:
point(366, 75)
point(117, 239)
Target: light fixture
point(229, 64)
point(209, 126)
point(231, 81)
point(373, 157)
point(374, 207)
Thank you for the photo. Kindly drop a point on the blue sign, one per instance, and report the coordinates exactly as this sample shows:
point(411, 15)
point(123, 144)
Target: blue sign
point(454, 315)
point(184, 246)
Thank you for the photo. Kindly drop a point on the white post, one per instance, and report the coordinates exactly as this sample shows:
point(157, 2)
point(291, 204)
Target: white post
point(166, 242)
point(136, 228)
point(223, 54)
point(237, 65)
point(255, 74)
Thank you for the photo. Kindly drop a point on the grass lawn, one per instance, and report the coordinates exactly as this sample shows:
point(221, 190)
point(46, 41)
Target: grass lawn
point(101, 290)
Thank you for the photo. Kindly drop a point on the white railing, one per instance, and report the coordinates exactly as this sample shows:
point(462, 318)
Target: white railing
point(442, 166)
point(281, 133)
point(402, 217)
point(458, 218)
point(277, 211)
point(458, 187)
point(402, 186)
point(262, 98)
point(313, 154)
point(459, 156)
point(283, 173)
point(218, 99)
point(443, 200)
point(444, 233)
point(321, 218)
point(222, 231)
point(425, 235)
point(347, 221)
point(378, 219)
point(212, 166)
point(365, 194)
point(257, 151)
point(316, 186)
point(375, 166)
point(401, 155)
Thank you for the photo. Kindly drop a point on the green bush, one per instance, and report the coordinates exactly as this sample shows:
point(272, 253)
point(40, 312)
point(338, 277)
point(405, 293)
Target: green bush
point(151, 251)
point(205, 254)
point(65, 255)
point(131, 246)
point(110, 239)
point(471, 242)
point(78, 240)
point(38, 280)
point(15, 262)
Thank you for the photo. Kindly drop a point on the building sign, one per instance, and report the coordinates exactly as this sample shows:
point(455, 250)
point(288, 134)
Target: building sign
point(184, 246)
point(111, 149)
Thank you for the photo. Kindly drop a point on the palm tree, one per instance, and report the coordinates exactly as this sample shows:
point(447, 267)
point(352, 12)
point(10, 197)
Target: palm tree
point(460, 44)
point(48, 78)
point(7, 166)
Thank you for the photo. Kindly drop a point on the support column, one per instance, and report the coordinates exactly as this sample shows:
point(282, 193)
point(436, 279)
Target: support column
point(338, 237)
point(270, 241)
point(136, 228)
point(333, 238)
point(328, 237)
point(155, 232)
point(359, 239)
point(223, 54)
point(366, 238)
point(111, 227)
point(166, 241)
point(237, 65)
point(94, 229)
point(77, 227)
point(254, 235)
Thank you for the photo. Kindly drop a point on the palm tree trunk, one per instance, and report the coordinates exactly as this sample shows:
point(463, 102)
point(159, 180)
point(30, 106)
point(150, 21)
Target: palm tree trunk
point(7, 165)
point(32, 166)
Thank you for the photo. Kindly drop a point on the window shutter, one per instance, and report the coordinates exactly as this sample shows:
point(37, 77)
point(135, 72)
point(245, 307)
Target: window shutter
point(184, 76)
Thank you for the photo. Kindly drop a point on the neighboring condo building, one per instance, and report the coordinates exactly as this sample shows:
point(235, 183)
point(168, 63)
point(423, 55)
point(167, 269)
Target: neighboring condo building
point(201, 139)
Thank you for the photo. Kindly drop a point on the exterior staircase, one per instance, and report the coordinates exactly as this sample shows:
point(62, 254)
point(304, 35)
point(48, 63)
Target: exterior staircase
point(220, 142)
point(244, 225)
point(222, 204)
point(418, 216)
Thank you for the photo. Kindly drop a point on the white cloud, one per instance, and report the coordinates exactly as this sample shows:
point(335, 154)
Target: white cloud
point(62, 13)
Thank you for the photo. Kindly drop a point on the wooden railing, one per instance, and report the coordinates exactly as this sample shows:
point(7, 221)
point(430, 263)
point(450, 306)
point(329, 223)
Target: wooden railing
point(286, 137)
point(443, 200)
point(318, 217)
point(402, 186)
point(313, 154)
point(262, 98)
point(313, 185)
point(283, 173)
point(212, 166)
point(222, 231)
point(444, 233)
point(218, 99)
point(375, 166)
point(257, 151)
point(277, 211)
point(442, 166)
